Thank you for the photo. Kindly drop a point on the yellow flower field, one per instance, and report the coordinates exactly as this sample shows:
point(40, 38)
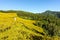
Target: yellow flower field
point(13, 27)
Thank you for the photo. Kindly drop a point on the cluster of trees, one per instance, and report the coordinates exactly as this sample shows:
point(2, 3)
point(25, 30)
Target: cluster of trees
point(9, 11)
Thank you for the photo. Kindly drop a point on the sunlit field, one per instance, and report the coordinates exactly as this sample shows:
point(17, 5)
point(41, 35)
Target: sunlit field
point(13, 27)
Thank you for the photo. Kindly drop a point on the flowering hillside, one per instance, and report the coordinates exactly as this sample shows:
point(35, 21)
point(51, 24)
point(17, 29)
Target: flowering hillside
point(13, 27)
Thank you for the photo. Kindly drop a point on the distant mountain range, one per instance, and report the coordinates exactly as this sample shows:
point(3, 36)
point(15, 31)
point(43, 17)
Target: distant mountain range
point(57, 13)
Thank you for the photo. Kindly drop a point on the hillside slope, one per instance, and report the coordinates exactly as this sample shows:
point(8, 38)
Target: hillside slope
point(13, 27)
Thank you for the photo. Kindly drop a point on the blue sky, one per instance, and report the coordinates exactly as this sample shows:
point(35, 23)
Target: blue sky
point(30, 5)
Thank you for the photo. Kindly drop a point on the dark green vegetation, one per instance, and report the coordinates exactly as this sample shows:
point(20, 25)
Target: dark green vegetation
point(49, 21)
